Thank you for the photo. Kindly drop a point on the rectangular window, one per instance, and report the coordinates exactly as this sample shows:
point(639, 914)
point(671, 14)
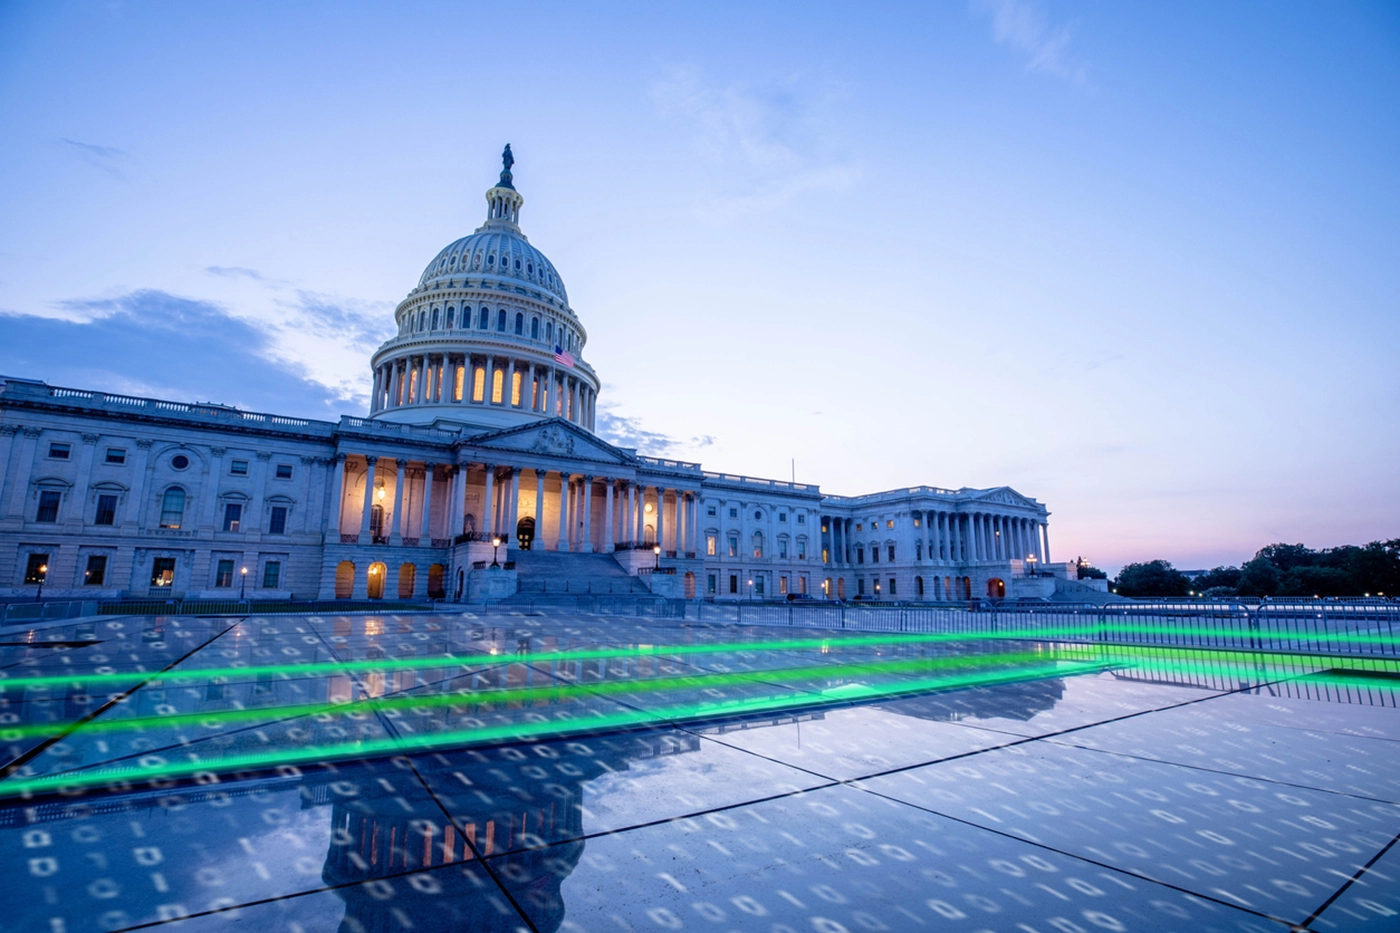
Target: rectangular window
point(860, 555)
point(233, 516)
point(893, 591)
point(96, 571)
point(223, 577)
point(826, 555)
point(858, 526)
point(238, 467)
point(284, 471)
point(36, 569)
point(782, 585)
point(163, 572)
point(277, 525)
point(782, 516)
point(106, 511)
point(801, 518)
point(272, 574)
point(892, 553)
point(733, 545)
point(116, 455)
point(60, 451)
point(889, 523)
point(711, 547)
point(48, 506)
point(802, 582)
point(874, 553)
point(733, 513)
point(860, 587)
point(916, 521)
point(710, 511)
point(733, 583)
point(782, 549)
point(758, 584)
point(801, 550)
point(918, 550)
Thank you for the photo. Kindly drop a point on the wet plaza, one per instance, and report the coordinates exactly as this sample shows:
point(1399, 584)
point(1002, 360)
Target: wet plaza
point(584, 772)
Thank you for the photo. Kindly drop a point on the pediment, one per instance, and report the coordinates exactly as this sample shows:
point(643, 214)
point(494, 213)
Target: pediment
point(553, 438)
point(1005, 495)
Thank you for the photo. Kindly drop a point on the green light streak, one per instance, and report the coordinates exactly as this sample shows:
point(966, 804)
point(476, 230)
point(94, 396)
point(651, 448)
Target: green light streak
point(493, 696)
point(1090, 633)
point(205, 771)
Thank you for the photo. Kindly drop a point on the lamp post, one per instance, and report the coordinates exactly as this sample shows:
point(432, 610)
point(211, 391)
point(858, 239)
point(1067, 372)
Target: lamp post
point(1030, 563)
point(495, 549)
point(43, 575)
point(751, 588)
point(242, 582)
point(656, 549)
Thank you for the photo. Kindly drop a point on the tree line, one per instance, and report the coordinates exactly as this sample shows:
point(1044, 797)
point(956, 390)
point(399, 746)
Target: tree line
point(1277, 570)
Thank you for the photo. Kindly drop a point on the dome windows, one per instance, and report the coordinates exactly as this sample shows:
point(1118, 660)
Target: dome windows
point(519, 323)
point(491, 260)
point(501, 320)
point(435, 319)
point(534, 328)
point(450, 313)
point(517, 265)
point(485, 318)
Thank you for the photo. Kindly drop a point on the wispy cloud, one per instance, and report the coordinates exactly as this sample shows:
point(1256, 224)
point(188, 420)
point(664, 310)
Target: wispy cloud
point(626, 431)
point(777, 141)
point(104, 158)
point(1023, 25)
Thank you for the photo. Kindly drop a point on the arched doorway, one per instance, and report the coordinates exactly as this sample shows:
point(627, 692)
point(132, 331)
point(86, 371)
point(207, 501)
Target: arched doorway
point(374, 588)
point(840, 587)
point(408, 575)
point(525, 532)
point(436, 573)
point(649, 534)
point(344, 579)
point(689, 585)
point(996, 588)
point(919, 586)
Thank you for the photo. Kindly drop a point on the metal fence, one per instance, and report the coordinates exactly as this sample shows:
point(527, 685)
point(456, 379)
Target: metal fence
point(16, 612)
point(1350, 627)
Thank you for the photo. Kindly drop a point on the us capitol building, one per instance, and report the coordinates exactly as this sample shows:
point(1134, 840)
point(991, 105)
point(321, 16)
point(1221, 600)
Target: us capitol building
point(480, 427)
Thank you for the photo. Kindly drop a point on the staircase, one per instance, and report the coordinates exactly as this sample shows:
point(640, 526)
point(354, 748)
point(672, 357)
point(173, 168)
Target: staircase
point(560, 573)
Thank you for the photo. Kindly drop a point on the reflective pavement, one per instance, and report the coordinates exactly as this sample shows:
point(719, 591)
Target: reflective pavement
point(582, 773)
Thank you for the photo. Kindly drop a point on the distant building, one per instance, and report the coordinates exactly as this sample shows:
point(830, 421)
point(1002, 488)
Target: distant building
point(480, 424)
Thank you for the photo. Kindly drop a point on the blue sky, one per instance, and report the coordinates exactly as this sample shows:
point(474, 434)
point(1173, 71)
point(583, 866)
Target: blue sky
point(1136, 260)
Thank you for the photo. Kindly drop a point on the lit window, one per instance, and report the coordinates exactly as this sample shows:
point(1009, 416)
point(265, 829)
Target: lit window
point(479, 384)
point(106, 510)
point(163, 572)
point(96, 571)
point(48, 506)
point(172, 508)
point(36, 569)
point(498, 383)
point(60, 451)
point(916, 521)
point(238, 467)
point(223, 577)
point(711, 545)
point(758, 544)
point(515, 388)
point(733, 545)
point(233, 516)
point(782, 585)
point(277, 524)
point(284, 471)
point(889, 523)
point(116, 455)
point(272, 574)
point(461, 380)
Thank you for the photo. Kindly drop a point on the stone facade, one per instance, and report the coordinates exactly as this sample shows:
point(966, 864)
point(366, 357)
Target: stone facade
point(481, 424)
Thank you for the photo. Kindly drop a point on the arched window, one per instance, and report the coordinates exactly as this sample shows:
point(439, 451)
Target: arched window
point(535, 328)
point(451, 313)
point(519, 323)
point(172, 507)
point(485, 318)
point(498, 379)
point(344, 579)
point(435, 318)
point(478, 384)
point(758, 544)
point(548, 331)
point(501, 320)
point(422, 320)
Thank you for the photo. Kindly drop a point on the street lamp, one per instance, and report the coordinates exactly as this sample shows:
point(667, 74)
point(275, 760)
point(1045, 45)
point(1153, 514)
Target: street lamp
point(243, 583)
point(43, 575)
point(1030, 562)
point(656, 549)
point(495, 547)
point(750, 589)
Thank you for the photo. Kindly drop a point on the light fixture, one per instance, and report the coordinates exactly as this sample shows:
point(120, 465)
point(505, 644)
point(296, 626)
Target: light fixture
point(649, 508)
point(379, 491)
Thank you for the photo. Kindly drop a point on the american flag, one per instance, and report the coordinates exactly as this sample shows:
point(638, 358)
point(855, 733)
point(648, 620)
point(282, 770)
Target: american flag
point(567, 359)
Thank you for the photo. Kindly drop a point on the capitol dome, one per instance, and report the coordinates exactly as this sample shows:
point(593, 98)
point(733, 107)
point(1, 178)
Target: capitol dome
point(486, 339)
